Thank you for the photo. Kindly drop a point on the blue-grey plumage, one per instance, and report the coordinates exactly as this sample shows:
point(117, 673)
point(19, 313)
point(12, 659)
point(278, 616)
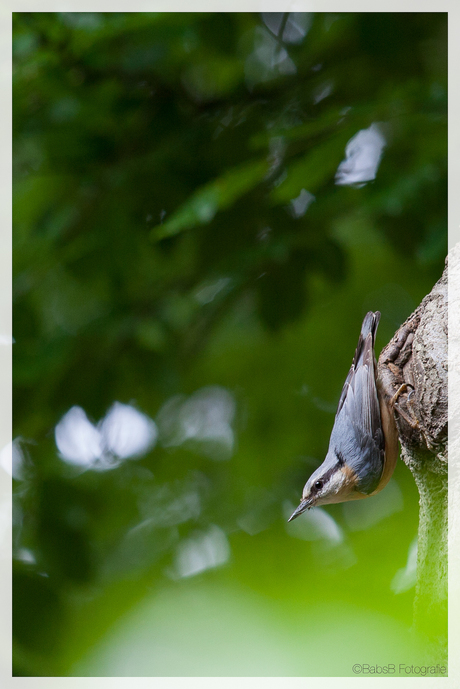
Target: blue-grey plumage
point(363, 448)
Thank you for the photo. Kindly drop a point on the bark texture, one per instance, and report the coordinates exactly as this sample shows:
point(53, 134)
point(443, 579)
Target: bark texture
point(416, 358)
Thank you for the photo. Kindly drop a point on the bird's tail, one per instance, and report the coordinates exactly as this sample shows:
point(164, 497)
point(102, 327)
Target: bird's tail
point(364, 353)
point(369, 326)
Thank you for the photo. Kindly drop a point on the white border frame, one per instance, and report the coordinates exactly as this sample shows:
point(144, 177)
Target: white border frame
point(6, 8)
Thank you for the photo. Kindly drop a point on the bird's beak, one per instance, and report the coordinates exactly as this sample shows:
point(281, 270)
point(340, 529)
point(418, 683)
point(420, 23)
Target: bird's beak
point(304, 505)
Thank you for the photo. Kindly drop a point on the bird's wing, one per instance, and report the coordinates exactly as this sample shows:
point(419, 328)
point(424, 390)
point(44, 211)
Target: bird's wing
point(357, 434)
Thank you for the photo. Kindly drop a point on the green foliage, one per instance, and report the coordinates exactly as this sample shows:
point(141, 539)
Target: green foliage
point(159, 249)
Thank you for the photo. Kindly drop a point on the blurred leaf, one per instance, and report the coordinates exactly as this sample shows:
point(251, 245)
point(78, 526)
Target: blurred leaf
point(214, 196)
point(37, 614)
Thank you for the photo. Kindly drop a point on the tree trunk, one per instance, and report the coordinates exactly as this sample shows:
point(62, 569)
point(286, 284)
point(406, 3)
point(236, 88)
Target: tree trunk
point(416, 358)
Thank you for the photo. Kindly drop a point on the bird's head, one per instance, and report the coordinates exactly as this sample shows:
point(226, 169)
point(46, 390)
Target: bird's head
point(334, 481)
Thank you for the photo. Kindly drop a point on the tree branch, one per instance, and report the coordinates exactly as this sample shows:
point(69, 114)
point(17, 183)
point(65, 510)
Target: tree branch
point(417, 357)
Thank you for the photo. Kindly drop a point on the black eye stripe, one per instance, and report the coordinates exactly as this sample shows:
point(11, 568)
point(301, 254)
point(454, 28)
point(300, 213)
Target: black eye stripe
point(340, 458)
point(330, 472)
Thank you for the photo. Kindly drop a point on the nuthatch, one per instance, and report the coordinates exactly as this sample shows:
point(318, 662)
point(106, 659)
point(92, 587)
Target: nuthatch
point(363, 449)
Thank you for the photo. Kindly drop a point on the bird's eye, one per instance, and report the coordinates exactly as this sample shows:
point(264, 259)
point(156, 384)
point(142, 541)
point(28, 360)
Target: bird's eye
point(318, 485)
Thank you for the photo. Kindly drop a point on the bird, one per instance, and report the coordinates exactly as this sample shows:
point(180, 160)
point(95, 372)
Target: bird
point(363, 447)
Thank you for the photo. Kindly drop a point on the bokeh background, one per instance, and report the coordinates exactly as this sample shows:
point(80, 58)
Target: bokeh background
point(205, 207)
